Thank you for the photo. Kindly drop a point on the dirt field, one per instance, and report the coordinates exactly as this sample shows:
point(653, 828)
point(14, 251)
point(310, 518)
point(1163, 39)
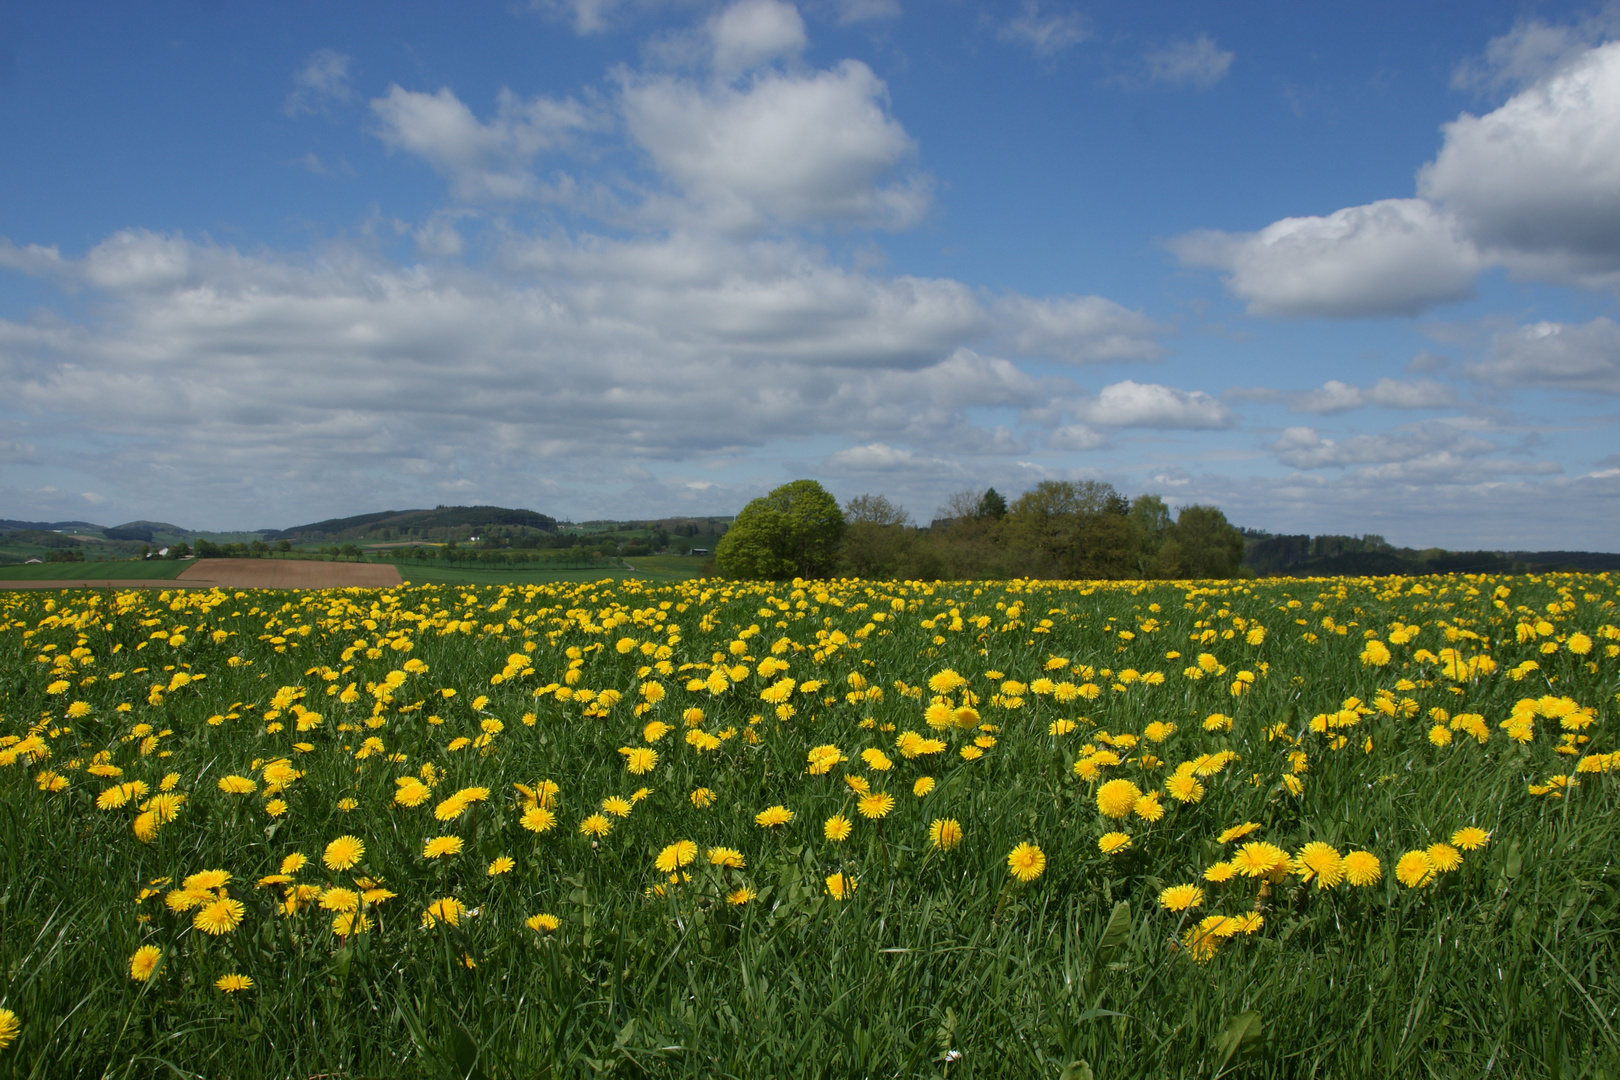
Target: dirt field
point(244, 574)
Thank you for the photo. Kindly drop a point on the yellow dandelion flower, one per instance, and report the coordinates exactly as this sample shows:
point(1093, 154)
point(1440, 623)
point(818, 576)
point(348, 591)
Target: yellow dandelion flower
point(10, 1028)
point(501, 864)
point(237, 785)
point(841, 886)
point(144, 963)
point(837, 828)
point(1219, 872)
point(343, 853)
point(640, 759)
point(1117, 798)
point(922, 786)
point(875, 805)
point(616, 806)
point(1257, 859)
point(727, 857)
point(538, 819)
point(1184, 788)
point(1026, 862)
point(1237, 832)
point(339, 899)
point(1361, 868)
point(1471, 838)
point(702, 798)
point(1148, 807)
point(595, 825)
point(1321, 862)
point(945, 833)
point(439, 846)
point(739, 897)
point(1414, 869)
point(1108, 843)
point(233, 983)
point(676, 855)
point(1181, 897)
point(543, 923)
point(447, 909)
point(220, 917)
point(1444, 857)
point(773, 816)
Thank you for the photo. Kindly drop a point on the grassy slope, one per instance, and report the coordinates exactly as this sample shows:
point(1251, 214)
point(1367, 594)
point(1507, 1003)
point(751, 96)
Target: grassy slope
point(148, 570)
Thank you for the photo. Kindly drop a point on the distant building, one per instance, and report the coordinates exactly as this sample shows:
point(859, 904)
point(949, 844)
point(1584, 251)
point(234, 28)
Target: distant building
point(30, 562)
point(698, 551)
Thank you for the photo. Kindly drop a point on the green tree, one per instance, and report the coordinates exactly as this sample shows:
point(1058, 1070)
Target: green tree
point(876, 537)
point(1072, 529)
point(792, 532)
point(992, 504)
point(1202, 544)
point(1151, 522)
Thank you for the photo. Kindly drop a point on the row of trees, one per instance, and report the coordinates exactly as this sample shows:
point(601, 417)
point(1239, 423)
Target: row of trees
point(1058, 529)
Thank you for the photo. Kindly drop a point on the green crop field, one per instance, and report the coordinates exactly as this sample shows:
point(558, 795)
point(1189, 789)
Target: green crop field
point(133, 570)
point(1331, 828)
point(648, 568)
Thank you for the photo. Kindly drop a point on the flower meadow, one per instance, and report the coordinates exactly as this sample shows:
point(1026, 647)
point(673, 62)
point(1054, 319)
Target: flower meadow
point(838, 828)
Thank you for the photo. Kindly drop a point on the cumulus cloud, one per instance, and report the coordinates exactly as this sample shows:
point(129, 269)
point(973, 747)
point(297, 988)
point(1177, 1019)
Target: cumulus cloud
point(1075, 437)
point(482, 160)
point(1198, 62)
point(1334, 396)
point(1394, 257)
point(1437, 452)
point(1078, 329)
point(323, 79)
point(1532, 50)
point(1047, 34)
point(754, 32)
point(34, 260)
point(1557, 355)
point(1538, 180)
point(785, 148)
point(1150, 405)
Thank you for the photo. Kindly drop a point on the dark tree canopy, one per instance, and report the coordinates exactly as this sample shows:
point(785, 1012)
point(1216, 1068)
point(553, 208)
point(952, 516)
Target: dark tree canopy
point(794, 531)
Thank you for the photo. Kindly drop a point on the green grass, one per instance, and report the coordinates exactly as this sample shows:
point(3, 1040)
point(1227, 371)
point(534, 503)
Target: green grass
point(1502, 967)
point(141, 570)
point(661, 568)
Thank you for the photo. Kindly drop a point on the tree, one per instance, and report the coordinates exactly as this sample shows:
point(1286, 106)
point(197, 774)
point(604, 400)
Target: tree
point(1072, 529)
point(1202, 544)
point(876, 537)
point(991, 505)
point(1151, 521)
point(792, 532)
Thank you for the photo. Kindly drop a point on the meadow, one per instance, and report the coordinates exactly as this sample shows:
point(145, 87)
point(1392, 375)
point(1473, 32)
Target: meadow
point(1289, 828)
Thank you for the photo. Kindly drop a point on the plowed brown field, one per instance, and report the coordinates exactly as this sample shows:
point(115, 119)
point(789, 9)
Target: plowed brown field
point(245, 574)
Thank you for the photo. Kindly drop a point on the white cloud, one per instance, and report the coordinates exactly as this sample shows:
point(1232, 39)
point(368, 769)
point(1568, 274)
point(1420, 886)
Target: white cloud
point(1532, 50)
point(1538, 180)
point(1078, 329)
point(1334, 396)
point(138, 260)
point(754, 32)
point(586, 16)
point(853, 11)
point(1394, 257)
point(34, 260)
point(323, 79)
point(1198, 62)
point(1434, 452)
point(1150, 405)
point(1075, 437)
point(786, 148)
point(1046, 34)
point(1558, 355)
point(482, 160)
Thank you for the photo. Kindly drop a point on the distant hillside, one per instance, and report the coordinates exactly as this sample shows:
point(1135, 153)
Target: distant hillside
point(1270, 555)
point(7, 525)
point(440, 523)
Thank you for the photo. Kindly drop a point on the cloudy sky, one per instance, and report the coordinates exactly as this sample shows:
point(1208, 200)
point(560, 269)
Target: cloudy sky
point(262, 264)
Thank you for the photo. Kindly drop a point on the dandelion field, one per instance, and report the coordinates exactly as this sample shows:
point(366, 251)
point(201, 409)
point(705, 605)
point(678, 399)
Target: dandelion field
point(850, 828)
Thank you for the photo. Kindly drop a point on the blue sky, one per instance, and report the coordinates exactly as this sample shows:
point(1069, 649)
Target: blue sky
point(265, 264)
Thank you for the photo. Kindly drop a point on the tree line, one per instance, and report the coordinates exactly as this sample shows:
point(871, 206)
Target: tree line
point(1059, 529)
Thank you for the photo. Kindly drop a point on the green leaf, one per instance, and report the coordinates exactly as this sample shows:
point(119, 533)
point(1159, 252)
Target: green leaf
point(1243, 1035)
point(1115, 934)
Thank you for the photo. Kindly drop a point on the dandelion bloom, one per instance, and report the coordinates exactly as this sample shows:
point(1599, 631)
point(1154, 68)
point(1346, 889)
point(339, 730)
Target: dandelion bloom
point(1444, 857)
point(1321, 862)
point(537, 819)
point(875, 805)
point(144, 962)
point(232, 984)
point(1026, 862)
point(339, 899)
point(595, 825)
point(1237, 832)
point(773, 816)
point(676, 855)
point(841, 886)
point(447, 908)
point(741, 896)
point(876, 759)
point(1257, 859)
point(1181, 897)
point(944, 682)
point(923, 786)
point(1220, 872)
point(349, 923)
point(1414, 869)
point(9, 1028)
point(543, 923)
point(343, 853)
point(1148, 807)
point(1362, 868)
point(220, 917)
point(237, 785)
point(726, 856)
point(837, 828)
point(1117, 798)
point(501, 864)
point(1184, 788)
point(1375, 654)
point(440, 846)
point(1471, 838)
point(640, 760)
point(1108, 843)
point(821, 759)
point(617, 806)
point(945, 833)
point(702, 798)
